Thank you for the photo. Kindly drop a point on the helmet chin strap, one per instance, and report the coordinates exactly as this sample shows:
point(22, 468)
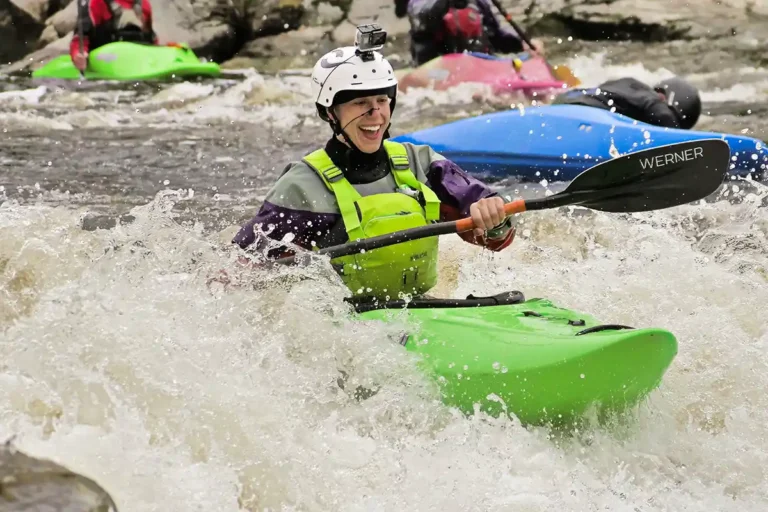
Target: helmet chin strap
point(340, 130)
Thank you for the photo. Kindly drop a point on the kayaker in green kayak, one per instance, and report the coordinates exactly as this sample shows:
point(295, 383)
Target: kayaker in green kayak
point(672, 103)
point(105, 21)
point(361, 185)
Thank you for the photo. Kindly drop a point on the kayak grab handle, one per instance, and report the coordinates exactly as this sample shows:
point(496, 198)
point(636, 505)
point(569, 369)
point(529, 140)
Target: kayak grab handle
point(605, 327)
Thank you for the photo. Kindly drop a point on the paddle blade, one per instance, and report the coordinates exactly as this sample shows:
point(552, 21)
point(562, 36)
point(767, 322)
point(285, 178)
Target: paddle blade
point(564, 74)
point(651, 179)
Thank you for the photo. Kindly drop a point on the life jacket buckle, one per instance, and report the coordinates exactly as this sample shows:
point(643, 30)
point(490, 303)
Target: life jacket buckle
point(333, 174)
point(416, 194)
point(400, 163)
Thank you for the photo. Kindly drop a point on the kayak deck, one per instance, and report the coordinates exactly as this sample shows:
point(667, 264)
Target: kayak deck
point(544, 364)
point(131, 61)
point(534, 77)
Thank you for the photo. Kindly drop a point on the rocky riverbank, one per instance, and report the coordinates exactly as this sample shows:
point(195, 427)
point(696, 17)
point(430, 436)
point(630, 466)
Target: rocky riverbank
point(28, 483)
point(278, 34)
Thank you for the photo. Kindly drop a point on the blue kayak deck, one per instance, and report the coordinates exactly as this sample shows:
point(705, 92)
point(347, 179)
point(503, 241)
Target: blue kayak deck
point(557, 142)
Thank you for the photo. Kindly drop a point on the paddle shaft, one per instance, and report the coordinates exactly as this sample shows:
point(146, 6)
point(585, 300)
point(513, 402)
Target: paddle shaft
point(456, 226)
point(514, 24)
point(562, 73)
point(80, 29)
point(440, 228)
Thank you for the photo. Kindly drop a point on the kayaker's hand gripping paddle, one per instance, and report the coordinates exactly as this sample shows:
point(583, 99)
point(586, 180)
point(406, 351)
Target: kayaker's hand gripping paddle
point(652, 179)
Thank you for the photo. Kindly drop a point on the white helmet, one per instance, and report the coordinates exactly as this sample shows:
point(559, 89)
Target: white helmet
point(347, 70)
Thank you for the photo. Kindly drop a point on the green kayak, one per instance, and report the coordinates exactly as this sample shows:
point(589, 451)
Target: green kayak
point(545, 364)
point(131, 61)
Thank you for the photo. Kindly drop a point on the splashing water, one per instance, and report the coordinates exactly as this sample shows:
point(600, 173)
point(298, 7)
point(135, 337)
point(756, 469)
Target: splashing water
point(122, 359)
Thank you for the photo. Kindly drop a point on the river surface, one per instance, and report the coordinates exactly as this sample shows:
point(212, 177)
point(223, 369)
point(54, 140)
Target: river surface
point(121, 360)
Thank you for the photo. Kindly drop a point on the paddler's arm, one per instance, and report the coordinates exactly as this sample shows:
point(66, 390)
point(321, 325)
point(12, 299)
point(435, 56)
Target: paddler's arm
point(146, 9)
point(660, 114)
point(74, 51)
point(280, 224)
point(84, 22)
point(457, 192)
point(292, 212)
point(272, 226)
point(503, 39)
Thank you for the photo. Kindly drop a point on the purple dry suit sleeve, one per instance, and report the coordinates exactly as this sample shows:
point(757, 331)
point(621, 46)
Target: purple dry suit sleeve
point(456, 188)
point(282, 224)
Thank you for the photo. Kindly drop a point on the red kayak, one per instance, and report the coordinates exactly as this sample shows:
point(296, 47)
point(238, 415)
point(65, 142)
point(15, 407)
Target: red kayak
point(526, 74)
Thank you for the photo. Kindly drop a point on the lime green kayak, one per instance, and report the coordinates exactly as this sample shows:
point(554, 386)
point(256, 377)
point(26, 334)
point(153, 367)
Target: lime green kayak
point(131, 61)
point(544, 364)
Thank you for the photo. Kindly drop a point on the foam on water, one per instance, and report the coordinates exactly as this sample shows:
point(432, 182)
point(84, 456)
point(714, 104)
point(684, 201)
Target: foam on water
point(592, 69)
point(122, 361)
point(286, 101)
point(751, 86)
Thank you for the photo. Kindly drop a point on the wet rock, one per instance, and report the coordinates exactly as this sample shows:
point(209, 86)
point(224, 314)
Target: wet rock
point(52, 40)
point(302, 47)
point(656, 20)
point(270, 17)
point(48, 36)
point(19, 31)
point(28, 483)
point(40, 10)
point(297, 49)
point(371, 11)
point(325, 13)
point(63, 22)
point(212, 28)
point(38, 58)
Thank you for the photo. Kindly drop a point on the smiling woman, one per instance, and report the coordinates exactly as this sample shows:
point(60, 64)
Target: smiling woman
point(364, 120)
point(362, 185)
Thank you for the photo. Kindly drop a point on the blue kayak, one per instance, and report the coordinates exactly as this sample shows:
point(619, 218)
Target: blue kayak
point(557, 142)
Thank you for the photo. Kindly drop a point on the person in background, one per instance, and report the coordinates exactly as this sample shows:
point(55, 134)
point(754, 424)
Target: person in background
point(401, 8)
point(672, 103)
point(105, 21)
point(440, 27)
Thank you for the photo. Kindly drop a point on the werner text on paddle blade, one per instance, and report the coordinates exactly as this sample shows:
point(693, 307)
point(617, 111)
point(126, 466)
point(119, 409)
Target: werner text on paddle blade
point(672, 158)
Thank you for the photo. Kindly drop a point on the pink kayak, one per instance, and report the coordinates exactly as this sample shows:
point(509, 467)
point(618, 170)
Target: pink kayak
point(534, 75)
